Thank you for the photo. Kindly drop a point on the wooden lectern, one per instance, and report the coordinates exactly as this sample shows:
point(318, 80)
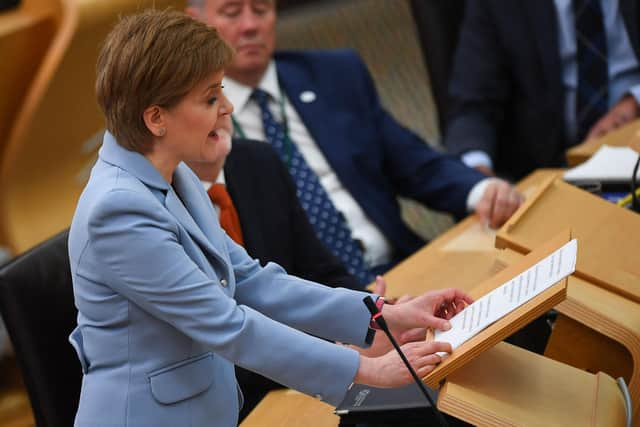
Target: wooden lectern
point(508, 386)
point(491, 384)
point(596, 330)
point(511, 322)
point(504, 386)
point(601, 316)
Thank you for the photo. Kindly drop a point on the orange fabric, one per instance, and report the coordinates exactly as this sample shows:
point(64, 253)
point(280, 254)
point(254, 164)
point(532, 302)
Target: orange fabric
point(229, 220)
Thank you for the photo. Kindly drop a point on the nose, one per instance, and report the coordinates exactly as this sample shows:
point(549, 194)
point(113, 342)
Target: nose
point(226, 107)
point(249, 21)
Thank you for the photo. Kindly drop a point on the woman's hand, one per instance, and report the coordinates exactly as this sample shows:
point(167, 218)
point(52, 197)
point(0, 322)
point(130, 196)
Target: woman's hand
point(381, 343)
point(429, 310)
point(390, 371)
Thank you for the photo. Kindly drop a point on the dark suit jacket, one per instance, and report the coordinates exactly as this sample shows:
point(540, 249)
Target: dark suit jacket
point(374, 157)
point(274, 225)
point(506, 90)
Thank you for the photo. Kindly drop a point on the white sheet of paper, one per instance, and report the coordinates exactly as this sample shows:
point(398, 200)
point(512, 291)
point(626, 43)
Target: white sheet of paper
point(607, 164)
point(510, 295)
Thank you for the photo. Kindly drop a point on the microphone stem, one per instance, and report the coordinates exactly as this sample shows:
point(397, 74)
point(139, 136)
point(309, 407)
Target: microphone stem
point(418, 381)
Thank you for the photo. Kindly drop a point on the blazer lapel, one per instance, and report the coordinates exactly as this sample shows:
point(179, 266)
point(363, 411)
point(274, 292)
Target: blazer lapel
point(544, 25)
point(185, 203)
point(294, 81)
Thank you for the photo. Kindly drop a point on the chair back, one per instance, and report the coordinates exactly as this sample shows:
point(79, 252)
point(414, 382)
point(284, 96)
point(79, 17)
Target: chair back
point(25, 34)
point(36, 302)
point(58, 130)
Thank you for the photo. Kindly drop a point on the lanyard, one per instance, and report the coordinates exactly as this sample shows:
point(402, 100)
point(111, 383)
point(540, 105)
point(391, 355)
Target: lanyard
point(287, 143)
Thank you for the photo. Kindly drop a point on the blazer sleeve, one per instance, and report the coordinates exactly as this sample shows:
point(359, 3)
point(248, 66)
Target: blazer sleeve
point(479, 85)
point(137, 249)
point(416, 170)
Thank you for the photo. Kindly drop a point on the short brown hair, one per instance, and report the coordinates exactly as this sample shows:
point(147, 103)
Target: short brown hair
point(153, 58)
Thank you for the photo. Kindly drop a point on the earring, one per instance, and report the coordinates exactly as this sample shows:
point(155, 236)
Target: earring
point(162, 131)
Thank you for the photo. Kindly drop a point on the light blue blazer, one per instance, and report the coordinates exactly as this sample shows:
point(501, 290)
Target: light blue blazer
point(168, 303)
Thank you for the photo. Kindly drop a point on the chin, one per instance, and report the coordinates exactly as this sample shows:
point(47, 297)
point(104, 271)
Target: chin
point(218, 148)
point(253, 61)
point(224, 137)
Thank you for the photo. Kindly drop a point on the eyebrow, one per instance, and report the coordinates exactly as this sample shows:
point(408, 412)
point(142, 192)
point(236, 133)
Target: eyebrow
point(213, 86)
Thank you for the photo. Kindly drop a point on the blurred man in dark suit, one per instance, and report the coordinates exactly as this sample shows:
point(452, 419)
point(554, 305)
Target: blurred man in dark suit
point(532, 78)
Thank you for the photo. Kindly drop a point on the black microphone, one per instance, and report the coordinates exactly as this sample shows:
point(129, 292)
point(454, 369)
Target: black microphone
point(376, 315)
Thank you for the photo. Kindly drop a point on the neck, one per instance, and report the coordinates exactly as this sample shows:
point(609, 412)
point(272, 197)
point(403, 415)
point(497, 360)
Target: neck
point(164, 165)
point(207, 171)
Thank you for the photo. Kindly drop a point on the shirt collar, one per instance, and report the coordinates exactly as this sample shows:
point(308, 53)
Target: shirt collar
point(131, 161)
point(239, 93)
point(219, 180)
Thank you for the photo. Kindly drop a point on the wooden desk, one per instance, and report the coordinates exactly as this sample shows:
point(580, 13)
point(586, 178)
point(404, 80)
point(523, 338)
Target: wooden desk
point(505, 386)
point(461, 257)
point(289, 408)
point(608, 235)
point(618, 138)
point(603, 328)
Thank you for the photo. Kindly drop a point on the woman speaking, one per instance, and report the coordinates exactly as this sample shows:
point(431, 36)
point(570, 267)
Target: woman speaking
point(167, 302)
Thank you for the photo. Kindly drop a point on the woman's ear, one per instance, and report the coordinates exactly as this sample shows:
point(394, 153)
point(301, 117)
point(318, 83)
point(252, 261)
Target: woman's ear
point(154, 120)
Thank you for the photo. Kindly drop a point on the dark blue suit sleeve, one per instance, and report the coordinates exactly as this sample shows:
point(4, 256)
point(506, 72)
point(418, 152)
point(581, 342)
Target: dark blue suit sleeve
point(415, 169)
point(479, 85)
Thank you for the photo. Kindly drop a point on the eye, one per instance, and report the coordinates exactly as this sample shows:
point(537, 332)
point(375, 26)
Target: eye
point(212, 100)
point(231, 11)
point(261, 7)
point(260, 10)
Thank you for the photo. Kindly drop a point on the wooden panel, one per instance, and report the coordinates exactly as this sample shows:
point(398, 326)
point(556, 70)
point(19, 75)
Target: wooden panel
point(423, 272)
point(597, 331)
point(289, 408)
point(607, 234)
point(508, 386)
point(575, 344)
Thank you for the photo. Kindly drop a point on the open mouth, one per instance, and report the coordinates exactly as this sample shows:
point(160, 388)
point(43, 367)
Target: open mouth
point(220, 134)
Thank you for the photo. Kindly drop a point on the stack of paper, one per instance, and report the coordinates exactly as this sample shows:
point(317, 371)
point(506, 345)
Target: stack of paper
point(608, 164)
